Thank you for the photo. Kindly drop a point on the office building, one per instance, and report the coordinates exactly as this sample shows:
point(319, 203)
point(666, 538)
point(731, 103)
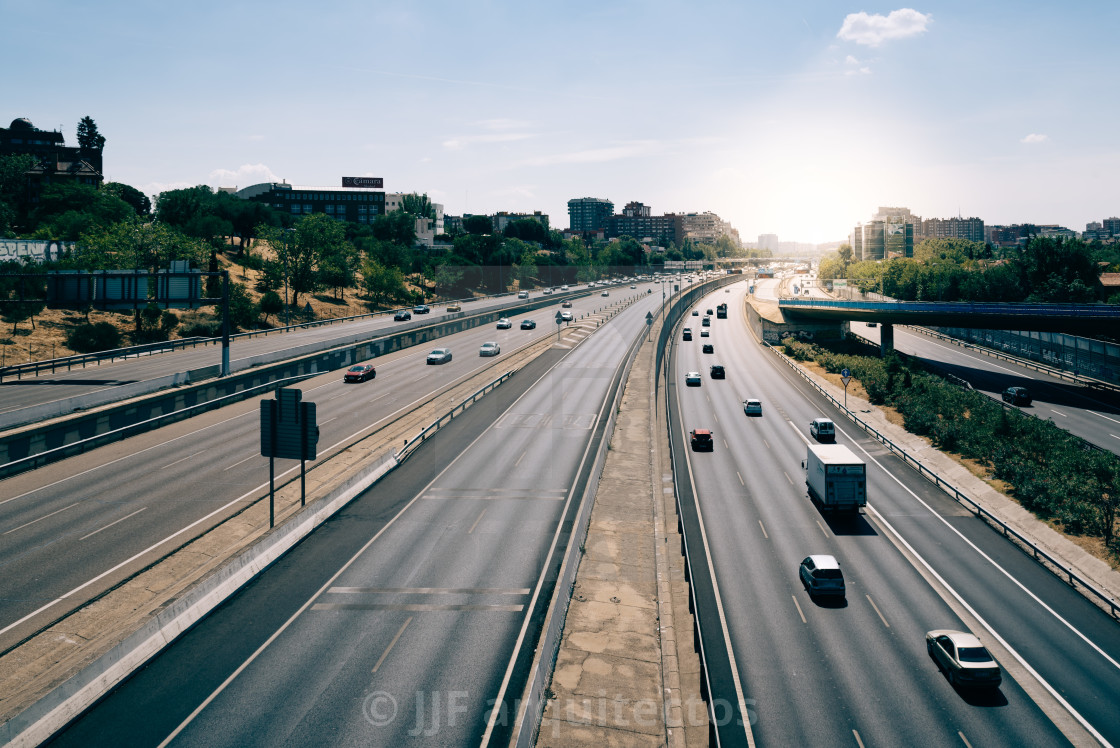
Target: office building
point(889, 233)
point(952, 228)
point(637, 222)
point(768, 241)
point(589, 213)
point(55, 162)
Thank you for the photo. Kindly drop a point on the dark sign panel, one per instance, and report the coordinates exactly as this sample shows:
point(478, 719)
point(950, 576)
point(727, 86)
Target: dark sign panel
point(376, 183)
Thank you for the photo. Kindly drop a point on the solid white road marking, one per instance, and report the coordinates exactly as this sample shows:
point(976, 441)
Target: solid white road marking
point(822, 528)
point(477, 521)
point(763, 530)
point(239, 463)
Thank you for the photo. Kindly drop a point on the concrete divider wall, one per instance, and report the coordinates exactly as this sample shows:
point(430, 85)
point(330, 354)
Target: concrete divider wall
point(79, 431)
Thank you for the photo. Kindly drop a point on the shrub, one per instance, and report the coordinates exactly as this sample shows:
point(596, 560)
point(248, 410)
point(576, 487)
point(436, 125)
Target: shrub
point(89, 338)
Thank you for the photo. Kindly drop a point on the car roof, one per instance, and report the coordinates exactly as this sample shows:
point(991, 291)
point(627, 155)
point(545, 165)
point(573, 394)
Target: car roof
point(822, 420)
point(824, 561)
point(692, 374)
point(959, 638)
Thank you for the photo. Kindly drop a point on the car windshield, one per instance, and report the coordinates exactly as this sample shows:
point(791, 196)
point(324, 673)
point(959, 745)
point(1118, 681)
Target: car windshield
point(973, 654)
point(828, 574)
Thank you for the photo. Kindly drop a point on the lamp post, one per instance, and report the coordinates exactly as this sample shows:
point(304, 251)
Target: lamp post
point(287, 238)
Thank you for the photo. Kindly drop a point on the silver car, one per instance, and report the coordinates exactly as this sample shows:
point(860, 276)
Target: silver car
point(964, 659)
point(439, 356)
point(821, 575)
point(489, 349)
point(504, 323)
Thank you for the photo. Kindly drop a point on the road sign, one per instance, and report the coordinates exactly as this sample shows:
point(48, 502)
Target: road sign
point(288, 427)
point(845, 377)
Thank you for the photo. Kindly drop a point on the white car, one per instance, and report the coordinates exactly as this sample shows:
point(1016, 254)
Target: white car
point(566, 316)
point(505, 324)
point(439, 356)
point(605, 293)
point(547, 292)
point(563, 288)
point(752, 407)
point(489, 349)
point(693, 379)
point(967, 664)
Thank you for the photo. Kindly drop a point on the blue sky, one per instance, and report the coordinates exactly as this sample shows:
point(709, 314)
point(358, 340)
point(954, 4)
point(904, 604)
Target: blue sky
point(797, 118)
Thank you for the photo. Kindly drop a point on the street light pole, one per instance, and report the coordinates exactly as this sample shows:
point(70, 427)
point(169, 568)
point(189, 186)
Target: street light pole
point(287, 249)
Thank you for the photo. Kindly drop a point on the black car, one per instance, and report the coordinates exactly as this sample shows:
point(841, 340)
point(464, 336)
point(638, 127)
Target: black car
point(528, 324)
point(717, 371)
point(1017, 396)
point(708, 348)
point(421, 309)
point(402, 316)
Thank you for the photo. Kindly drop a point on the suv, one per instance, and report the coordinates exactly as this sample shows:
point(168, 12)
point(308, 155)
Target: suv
point(821, 575)
point(708, 348)
point(686, 334)
point(822, 429)
point(717, 371)
point(1017, 396)
point(706, 322)
point(702, 440)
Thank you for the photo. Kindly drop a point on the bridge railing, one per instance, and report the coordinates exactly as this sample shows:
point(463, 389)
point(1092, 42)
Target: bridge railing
point(1007, 309)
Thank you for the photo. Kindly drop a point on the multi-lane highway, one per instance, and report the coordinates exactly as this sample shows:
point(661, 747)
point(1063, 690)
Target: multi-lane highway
point(857, 673)
point(411, 614)
point(1093, 415)
point(47, 387)
point(75, 529)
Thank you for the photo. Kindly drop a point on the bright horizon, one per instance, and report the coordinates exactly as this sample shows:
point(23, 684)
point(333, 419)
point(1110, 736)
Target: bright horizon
point(798, 120)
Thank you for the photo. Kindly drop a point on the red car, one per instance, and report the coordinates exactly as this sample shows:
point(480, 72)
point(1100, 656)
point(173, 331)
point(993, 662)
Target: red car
point(360, 373)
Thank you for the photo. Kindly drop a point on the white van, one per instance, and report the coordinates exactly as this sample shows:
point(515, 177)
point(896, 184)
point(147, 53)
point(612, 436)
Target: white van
point(822, 429)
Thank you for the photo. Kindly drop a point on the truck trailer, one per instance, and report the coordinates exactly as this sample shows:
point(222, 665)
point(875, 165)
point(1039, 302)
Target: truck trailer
point(836, 478)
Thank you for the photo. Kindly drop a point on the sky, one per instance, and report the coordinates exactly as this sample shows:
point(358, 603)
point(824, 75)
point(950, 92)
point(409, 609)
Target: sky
point(796, 118)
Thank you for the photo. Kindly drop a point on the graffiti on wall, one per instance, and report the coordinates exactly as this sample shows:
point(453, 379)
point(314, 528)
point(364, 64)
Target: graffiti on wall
point(26, 250)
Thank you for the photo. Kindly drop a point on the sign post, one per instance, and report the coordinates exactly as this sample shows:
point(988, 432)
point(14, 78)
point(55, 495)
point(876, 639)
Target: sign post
point(845, 377)
point(559, 320)
point(288, 430)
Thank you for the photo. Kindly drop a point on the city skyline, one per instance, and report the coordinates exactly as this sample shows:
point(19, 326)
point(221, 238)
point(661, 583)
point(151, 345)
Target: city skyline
point(797, 121)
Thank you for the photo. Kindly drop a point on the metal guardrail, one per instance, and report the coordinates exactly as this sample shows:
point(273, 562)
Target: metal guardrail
point(1025, 363)
point(532, 710)
point(1071, 577)
point(963, 307)
point(441, 421)
point(82, 359)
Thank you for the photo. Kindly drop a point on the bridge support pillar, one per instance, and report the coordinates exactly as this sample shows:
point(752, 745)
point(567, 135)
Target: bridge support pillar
point(886, 338)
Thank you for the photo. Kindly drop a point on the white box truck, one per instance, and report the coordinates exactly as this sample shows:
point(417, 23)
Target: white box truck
point(836, 478)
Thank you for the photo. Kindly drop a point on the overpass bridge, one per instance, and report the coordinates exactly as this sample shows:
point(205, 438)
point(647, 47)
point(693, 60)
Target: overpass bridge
point(1086, 320)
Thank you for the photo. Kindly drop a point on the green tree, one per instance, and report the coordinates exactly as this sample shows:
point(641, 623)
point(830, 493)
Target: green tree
point(18, 311)
point(89, 139)
point(301, 250)
point(13, 191)
point(140, 202)
point(418, 205)
point(478, 225)
point(66, 210)
point(242, 310)
point(381, 284)
point(186, 209)
point(337, 267)
point(271, 304)
point(397, 227)
point(132, 244)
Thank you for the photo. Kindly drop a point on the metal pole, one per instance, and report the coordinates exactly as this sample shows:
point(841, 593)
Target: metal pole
point(225, 323)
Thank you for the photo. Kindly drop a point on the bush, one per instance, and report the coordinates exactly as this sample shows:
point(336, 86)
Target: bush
point(87, 338)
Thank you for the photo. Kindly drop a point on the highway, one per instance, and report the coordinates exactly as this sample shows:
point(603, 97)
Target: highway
point(857, 673)
point(49, 387)
point(407, 617)
point(1093, 415)
point(76, 528)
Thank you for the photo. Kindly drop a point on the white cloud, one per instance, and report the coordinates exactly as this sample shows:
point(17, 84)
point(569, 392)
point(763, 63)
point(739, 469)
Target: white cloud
point(599, 155)
point(849, 60)
point(459, 142)
point(243, 176)
point(1033, 138)
point(155, 188)
point(256, 138)
point(858, 71)
point(873, 30)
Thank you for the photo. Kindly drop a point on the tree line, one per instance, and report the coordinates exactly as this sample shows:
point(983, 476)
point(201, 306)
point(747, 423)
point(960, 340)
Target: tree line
point(1045, 269)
